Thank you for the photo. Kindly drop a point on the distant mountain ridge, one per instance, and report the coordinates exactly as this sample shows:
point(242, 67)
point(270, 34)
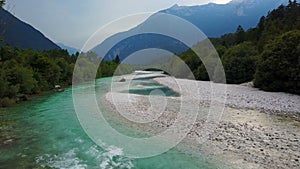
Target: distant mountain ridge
point(213, 19)
point(70, 50)
point(17, 33)
point(217, 19)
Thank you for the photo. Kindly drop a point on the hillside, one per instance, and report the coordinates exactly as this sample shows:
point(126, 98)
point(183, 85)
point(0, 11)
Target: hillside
point(213, 19)
point(217, 19)
point(17, 33)
point(268, 55)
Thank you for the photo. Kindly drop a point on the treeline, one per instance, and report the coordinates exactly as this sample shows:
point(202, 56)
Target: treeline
point(89, 65)
point(2, 2)
point(28, 72)
point(268, 55)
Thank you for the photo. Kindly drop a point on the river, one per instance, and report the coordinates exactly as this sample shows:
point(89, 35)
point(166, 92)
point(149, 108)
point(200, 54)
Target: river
point(45, 133)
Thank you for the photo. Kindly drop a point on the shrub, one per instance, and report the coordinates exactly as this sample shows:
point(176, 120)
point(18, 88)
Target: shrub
point(279, 65)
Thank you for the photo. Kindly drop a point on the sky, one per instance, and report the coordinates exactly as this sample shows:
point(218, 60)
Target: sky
point(72, 22)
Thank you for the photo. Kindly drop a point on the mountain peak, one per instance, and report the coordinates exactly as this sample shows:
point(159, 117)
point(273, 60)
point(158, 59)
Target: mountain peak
point(213, 19)
point(175, 6)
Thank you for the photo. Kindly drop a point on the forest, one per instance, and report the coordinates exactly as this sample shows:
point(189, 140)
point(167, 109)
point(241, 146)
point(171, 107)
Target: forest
point(268, 55)
point(28, 72)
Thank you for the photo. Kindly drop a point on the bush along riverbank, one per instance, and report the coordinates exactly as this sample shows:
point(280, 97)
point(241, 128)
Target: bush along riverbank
point(27, 73)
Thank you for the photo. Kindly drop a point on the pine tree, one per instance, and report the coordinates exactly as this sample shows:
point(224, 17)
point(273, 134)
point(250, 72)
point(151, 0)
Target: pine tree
point(240, 35)
point(117, 60)
point(2, 2)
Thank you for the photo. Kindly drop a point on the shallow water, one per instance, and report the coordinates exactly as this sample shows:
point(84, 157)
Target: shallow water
point(146, 86)
point(45, 133)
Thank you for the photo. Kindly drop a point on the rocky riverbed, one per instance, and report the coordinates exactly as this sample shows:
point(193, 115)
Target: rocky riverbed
point(256, 130)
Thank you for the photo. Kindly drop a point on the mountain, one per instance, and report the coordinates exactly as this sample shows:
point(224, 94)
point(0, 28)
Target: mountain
point(17, 33)
point(71, 50)
point(213, 19)
point(267, 54)
point(217, 19)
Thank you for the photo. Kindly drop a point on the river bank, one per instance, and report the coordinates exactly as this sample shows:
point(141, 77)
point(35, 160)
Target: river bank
point(8, 124)
point(245, 137)
point(257, 130)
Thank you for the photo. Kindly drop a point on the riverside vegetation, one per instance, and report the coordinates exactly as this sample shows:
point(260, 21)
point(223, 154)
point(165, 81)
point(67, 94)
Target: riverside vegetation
point(269, 54)
point(38, 135)
point(28, 72)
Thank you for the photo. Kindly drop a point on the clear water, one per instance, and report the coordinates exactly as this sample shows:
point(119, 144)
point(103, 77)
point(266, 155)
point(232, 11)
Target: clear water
point(147, 86)
point(45, 133)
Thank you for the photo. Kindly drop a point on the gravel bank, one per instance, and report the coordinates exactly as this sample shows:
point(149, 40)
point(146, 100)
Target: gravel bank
point(249, 134)
point(240, 96)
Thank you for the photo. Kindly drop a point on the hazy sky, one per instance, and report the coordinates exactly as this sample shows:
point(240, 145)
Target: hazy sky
point(72, 22)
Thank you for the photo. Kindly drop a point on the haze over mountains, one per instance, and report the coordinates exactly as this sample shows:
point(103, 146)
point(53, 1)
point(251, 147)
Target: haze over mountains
point(17, 33)
point(71, 50)
point(213, 19)
point(217, 19)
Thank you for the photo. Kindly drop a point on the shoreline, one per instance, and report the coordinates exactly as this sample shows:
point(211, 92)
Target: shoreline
point(33, 96)
point(249, 135)
point(244, 97)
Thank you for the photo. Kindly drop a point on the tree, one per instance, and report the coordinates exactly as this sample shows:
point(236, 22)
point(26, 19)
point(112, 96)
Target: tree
point(3, 84)
point(66, 71)
point(240, 35)
point(23, 77)
point(261, 24)
point(202, 71)
point(239, 63)
point(279, 65)
point(2, 2)
point(228, 39)
point(117, 60)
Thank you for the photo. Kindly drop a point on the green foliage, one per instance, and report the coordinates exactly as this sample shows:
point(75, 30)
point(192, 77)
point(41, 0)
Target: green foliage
point(84, 70)
point(239, 35)
point(279, 64)
point(6, 102)
point(47, 72)
point(30, 72)
point(2, 2)
point(201, 72)
point(228, 40)
point(240, 62)
point(221, 50)
point(117, 60)
point(268, 54)
point(191, 59)
point(22, 77)
point(3, 84)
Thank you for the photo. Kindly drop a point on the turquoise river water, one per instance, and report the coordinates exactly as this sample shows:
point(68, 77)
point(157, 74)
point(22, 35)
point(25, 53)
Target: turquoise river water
point(45, 133)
